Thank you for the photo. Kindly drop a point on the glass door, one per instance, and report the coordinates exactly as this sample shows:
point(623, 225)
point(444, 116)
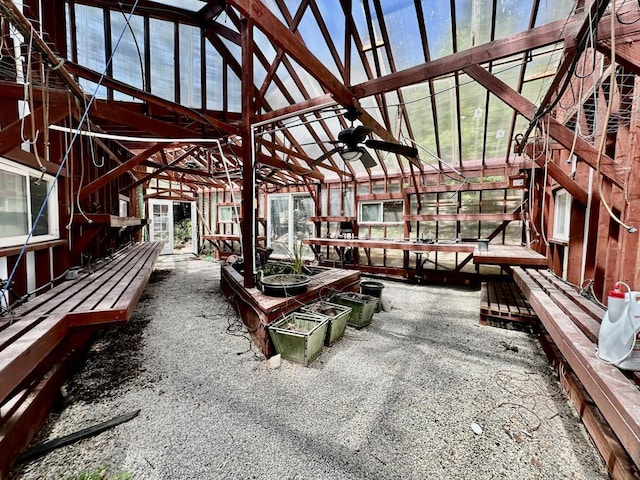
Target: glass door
point(162, 224)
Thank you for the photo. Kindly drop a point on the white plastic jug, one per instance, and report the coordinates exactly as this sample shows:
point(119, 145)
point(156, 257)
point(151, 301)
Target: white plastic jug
point(619, 337)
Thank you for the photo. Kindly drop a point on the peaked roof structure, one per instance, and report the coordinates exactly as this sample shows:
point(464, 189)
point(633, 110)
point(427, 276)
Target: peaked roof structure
point(176, 82)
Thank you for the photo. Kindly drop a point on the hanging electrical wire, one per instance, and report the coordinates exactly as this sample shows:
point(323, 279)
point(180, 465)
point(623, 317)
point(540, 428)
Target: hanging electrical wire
point(603, 138)
point(3, 292)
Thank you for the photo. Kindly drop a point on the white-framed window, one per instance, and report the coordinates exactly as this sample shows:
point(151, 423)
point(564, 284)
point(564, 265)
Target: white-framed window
point(226, 214)
point(288, 223)
point(22, 194)
point(380, 212)
point(562, 215)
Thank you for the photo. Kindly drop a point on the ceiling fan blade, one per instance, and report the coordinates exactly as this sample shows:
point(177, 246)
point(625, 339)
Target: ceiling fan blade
point(398, 148)
point(324, 156)
point(367, 159)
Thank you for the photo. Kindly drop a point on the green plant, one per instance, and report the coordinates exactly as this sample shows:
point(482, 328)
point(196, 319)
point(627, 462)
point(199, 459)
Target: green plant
point(102, 473)
point(297, 261)
point(182, 231)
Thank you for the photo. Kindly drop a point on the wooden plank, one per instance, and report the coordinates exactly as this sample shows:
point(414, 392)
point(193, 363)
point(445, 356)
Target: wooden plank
point(126, 292)
point(616, 396)
point(501, 300)
point(615, 457)
point(23, 355)
point(48, 301)
point(461, 217)
point(22, 416)
point(514, 255)
point(392, 245)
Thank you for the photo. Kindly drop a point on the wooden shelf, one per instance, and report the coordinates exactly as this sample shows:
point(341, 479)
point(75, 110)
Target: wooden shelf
point(332, 219)
point(112, 221)
point(512, 255)
point(392, 245)
point(460, 217)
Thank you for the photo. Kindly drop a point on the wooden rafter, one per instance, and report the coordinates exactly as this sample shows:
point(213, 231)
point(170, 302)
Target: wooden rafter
point(118, 171)
point(562, 134)
point(535, 38)
point(11, 136)
point(83, 72)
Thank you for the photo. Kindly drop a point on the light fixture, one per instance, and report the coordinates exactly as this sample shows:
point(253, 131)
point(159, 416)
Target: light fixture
point(351, 153)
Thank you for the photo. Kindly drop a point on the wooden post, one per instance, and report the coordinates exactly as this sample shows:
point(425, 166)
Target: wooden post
point(248, 182)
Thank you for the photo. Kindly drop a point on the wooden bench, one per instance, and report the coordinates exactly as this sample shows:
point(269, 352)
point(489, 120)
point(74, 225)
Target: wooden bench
point(572, 323)
point(36, 339)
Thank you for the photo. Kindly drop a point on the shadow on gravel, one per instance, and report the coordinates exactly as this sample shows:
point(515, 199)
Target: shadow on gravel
point(114, 357)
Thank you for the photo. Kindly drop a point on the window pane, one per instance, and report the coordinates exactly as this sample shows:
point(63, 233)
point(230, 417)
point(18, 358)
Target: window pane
point(214, 78)
point(13, 205)
point(225, 214)
point(279, 228)
point(128, 59)
point(162, 55)
point(392, 212)
point(370, 212)
point(90, 51)
point(190, 67)
point(38, 194)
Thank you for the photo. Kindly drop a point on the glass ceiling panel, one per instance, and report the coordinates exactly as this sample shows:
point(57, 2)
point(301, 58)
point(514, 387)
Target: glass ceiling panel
point(190, 66)
point(472, 117)
point(437, 19)
point(191, 5)
point(214, 77)
point(498, 127)
point(333, 16)
point(128, 59)
point(512, 16)
point(90, 50)
point(223, 19)
point(393, 102)
point(161, 34)
point(473, 22)
point(358, 15)
point(267, 49)
point(447, 119)
point(404, 35)
point(309, 83)
point(316, 42)
point(234, 88)
point(541, 69)
point(358, 73)
point(273, 8)
point(418, 108)
point(275, 98)
point(552, 11)
point(234, 49)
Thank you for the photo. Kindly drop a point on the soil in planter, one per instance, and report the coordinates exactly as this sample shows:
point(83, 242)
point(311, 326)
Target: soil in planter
point(293, 327)
point(358, 297)
point(327, 310)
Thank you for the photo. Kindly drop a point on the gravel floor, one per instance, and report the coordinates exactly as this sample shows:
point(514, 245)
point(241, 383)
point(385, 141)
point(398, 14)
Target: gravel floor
point(397, 399)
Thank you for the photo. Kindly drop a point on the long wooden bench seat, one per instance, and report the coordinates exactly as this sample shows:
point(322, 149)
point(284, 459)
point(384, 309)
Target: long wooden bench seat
point(38, 334)
point(573, 324)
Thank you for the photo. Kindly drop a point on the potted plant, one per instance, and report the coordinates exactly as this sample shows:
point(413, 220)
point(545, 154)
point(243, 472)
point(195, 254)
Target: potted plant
point(299, 336)
point(290, 282)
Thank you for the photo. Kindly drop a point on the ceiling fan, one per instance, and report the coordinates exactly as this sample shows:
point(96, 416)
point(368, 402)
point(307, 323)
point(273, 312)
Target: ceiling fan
point(352, 141)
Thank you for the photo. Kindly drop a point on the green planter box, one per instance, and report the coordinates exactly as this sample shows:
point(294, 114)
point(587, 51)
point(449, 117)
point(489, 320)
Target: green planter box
point(299, 337)
point(362, 307)
point(338, 317)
